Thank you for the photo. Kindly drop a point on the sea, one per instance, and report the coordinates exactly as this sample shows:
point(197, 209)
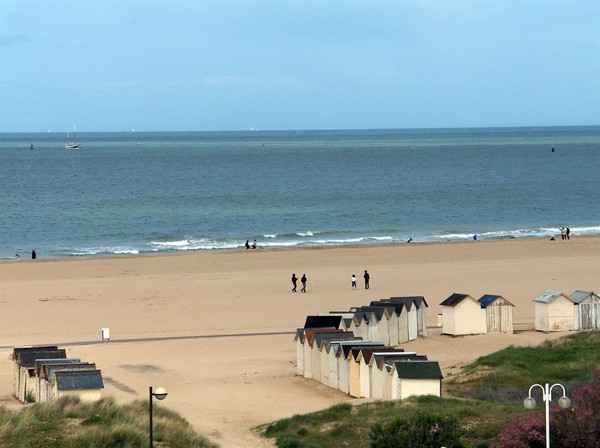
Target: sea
point(126, 193)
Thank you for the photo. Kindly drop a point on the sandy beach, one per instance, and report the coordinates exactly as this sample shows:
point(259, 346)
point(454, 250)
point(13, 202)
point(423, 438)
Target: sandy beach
point(216, 328)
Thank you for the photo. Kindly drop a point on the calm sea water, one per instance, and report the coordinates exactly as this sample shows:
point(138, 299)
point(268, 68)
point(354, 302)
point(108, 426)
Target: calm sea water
point(129, 193)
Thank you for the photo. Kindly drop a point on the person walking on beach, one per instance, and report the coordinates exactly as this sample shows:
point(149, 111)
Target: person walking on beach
point(247, 245)
point(303, 280)
point(33, 255)
point(353, 281)
point(563, 233)
point(568, 232)
point(367, 278)
point(294, 282)
point(254, 244)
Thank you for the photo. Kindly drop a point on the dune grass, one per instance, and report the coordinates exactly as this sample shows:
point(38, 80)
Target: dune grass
point(484, 397)
point(71, 423)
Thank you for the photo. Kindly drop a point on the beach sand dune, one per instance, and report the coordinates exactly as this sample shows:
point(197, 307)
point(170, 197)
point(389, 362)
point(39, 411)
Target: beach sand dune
point(216, 328)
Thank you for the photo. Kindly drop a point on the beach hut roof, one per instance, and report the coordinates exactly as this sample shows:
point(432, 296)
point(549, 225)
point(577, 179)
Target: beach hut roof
point(329, 343)
point(397, 307)
point(367, 353)
point(347, 322)
point(388, 360)
point(51, 370)
point(487, 299)
point(380, 310)
point(580, 296)
point(320, 338)
point(310, 334)
point(322, 321)
point(418, 301)
point(91, 379)
point(41, 363)
point(27, 359)
point(455, 299)
point(30, 348)
point(345, 349)
point(419, 370)
point(301, 333)
point(549, 296)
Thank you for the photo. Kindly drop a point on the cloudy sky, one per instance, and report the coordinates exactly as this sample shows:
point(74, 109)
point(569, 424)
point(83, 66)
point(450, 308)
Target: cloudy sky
point(184, 65)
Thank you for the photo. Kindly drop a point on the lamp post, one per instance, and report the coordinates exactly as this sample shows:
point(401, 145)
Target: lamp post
point(564, 402)
point(160, 394)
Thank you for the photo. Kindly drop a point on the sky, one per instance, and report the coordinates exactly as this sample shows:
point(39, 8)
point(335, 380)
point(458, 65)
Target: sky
point(195, 65)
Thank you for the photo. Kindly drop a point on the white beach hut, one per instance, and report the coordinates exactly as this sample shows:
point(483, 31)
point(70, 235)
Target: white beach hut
point(588, 303)
point(462, 315)
point(498, 312)
point(555, 311)
point(411, 378)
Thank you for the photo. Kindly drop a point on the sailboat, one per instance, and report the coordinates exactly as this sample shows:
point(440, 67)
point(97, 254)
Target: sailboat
point(72, 144)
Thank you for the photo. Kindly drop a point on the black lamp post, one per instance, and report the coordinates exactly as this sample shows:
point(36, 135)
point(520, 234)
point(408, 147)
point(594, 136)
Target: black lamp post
point(160, 394)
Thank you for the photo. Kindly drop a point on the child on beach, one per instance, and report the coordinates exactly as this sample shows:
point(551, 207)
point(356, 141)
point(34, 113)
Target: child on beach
point(353, 281)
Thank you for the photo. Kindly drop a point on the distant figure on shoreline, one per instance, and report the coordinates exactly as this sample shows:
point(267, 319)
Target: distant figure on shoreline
point(409, 240)
point(254, 245)
point(568, 233)
point(563, 233)
point(367, 277)
point(353, 281)
point(17, 257)
point(247, 245)
point(33, 255)
point(294, 282)
point(475, 237)
point(553, 149)
point(303, 280)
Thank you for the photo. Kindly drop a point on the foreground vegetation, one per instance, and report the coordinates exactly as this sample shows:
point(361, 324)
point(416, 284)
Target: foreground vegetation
point(70, 423)
point(485, 400)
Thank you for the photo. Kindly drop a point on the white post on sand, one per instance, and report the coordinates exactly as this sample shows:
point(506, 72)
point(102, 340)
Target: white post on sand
point(105, 334)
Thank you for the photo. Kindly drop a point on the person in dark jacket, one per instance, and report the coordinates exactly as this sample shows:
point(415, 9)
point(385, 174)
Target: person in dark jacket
point(33, 255)
point(367, 277)
point(303, 280)
point(294, 282)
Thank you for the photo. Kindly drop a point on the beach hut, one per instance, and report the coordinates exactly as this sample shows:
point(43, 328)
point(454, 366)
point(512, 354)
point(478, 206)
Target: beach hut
point(17, 386)
point(363, 359)
point(379, 319)
point(26, 384)
point(41, 377)
point(411, 378)
point(384, 364)
point(555, 311)
point(300, 339)
point(318, 352)
point(462, 315)
point(588, 303)
point(84, 384)
point(309, 335)
point(331, 347)
point(394, 311)
point(342, 355)
point(412, 316)
point(498, 313)
point(420, 306)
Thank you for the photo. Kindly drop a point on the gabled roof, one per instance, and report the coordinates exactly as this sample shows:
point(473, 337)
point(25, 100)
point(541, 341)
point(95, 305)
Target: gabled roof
point(301, 333)
point(27, 359)
point(41, 363)
point(381, 359)
point(398, 307)
point(419, 370)
point(51, 370)
point(322, 321)
point(487, 299)
point(18, 350)
point(345, 349)
point(91, 379)
point(367, 353)
point(588, 296)
point(310, 334)
point(549, 296)
point(418, 301)
point(380, 311)
point(320, 338)
point(455, 299)
point(347, 322)
point(329, 343)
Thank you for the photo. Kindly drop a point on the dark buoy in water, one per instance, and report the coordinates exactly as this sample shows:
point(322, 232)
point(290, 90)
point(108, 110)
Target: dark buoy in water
point(553, 149)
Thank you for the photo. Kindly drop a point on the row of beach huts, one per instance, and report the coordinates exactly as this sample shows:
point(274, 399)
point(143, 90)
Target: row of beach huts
point(44, 373)
point(355, 351)
point(553, 311)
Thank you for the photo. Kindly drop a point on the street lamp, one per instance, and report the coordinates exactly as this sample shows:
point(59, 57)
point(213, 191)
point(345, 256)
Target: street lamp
point(564, 402)
point(160, 394)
